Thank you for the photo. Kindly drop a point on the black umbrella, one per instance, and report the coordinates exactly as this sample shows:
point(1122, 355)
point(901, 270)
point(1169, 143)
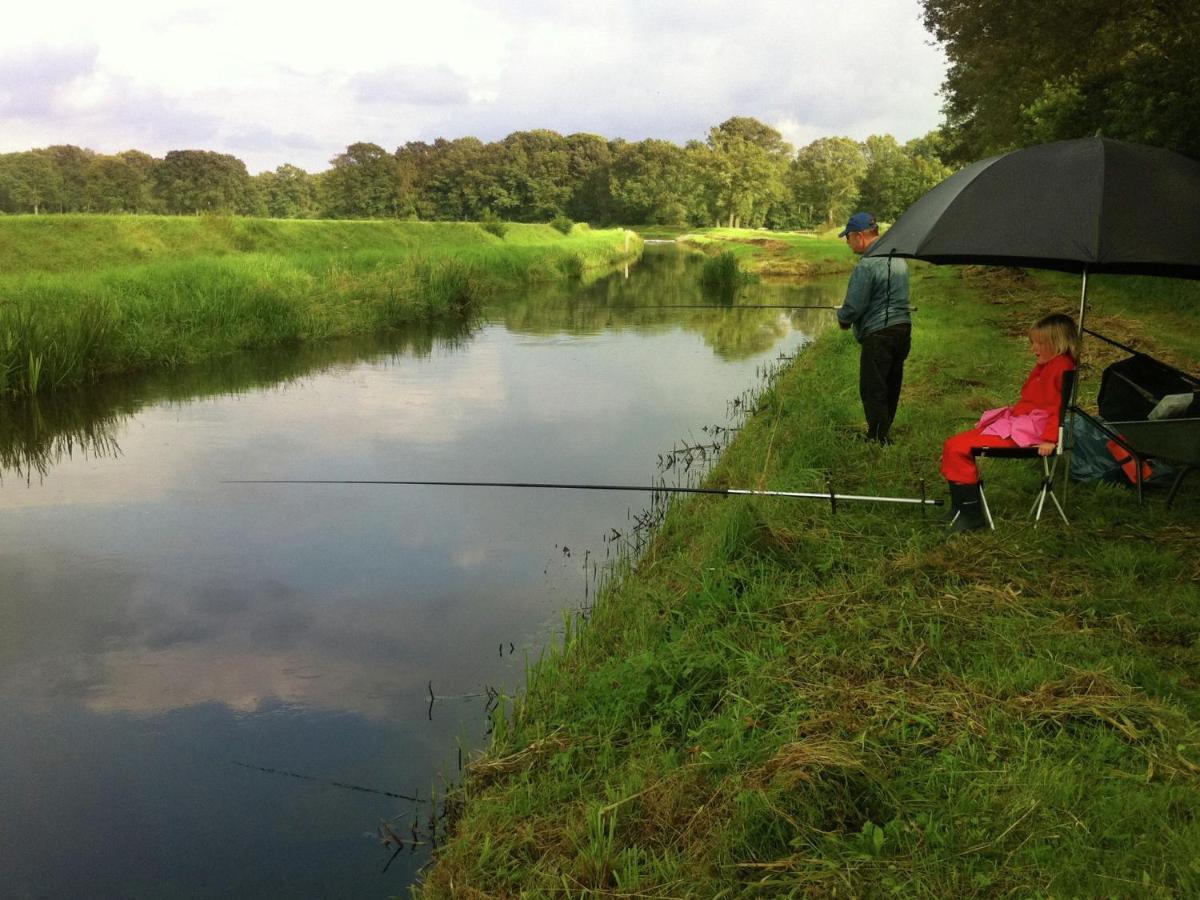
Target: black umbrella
point(1089, 206)
point(1092, 205)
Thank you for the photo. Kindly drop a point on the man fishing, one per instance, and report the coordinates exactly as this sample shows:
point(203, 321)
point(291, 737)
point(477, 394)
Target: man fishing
point(876, 307)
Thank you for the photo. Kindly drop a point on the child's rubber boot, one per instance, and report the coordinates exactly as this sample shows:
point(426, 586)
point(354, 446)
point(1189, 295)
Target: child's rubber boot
point(966, 507)
point(955, 506)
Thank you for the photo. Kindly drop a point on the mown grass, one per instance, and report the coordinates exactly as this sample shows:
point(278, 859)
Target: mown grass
point(776, 254)
point(781, 702)
point(82, 297)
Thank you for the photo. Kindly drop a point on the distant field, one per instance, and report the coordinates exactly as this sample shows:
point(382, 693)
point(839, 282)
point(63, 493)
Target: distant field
point(776, 254)
point(64, 243)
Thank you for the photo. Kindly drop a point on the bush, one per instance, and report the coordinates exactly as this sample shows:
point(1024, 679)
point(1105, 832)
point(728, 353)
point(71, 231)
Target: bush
point(721, 273)
point(562, 223)
point(490, 222)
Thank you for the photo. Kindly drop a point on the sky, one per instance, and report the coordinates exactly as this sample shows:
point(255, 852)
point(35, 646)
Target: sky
point(273, 82)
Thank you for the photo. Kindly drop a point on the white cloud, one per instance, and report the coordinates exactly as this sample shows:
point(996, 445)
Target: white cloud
point(411, 85)
point(272, 85)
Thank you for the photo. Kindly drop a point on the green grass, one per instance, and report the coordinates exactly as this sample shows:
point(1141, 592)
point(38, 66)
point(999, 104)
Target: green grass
point(776, 254)
point(781, 702)
point(722, 274)
point(82, 297)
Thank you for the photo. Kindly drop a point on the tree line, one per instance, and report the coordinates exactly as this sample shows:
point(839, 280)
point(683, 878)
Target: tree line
point(743, 174)
point(1020, 72)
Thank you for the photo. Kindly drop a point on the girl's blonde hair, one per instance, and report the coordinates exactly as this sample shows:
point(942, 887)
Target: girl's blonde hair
point(1059, 332)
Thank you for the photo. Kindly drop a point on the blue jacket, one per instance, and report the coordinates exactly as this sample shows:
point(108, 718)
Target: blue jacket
point(873, 299)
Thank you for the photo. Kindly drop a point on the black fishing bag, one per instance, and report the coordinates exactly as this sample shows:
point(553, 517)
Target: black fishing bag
point(1129, 389)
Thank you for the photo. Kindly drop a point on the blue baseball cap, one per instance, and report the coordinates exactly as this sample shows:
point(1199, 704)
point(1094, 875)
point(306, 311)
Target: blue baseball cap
point(859, 222)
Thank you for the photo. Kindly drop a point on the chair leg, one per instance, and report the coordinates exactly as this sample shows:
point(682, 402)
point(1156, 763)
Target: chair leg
point(1048, 470)
point(1039, 501)
point(1058, 506)
point(1035, 511)
point(987, 512)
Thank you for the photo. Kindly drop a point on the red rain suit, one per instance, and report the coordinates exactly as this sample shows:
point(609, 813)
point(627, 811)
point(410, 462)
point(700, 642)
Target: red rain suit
point(1042, 390)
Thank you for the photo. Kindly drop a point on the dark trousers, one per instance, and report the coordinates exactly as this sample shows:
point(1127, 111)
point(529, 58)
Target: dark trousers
point(880, 373)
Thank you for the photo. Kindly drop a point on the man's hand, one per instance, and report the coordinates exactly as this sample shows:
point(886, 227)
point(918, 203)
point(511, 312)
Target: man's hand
point(1046, 448)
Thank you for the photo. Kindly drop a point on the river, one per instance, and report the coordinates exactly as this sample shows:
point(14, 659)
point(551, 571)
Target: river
point(212, 689)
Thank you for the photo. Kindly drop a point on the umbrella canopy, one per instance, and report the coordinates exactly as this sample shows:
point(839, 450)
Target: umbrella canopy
point(1092, 205)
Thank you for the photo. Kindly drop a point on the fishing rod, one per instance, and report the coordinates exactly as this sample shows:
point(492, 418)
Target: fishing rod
point(699, 306)
point(732, 306)
point(829, 495)
point(712, 306)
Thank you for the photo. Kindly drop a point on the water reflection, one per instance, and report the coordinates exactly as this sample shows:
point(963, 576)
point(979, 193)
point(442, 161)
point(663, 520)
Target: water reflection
point(666, 280)
point(161, 631)
point(37, 433)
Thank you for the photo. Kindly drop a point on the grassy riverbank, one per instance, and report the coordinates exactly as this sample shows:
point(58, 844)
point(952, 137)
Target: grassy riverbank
point(86, 296)
point(783, 702)
point(776, 254)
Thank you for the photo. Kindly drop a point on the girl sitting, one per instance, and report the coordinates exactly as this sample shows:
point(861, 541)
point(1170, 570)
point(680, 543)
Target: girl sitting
point(1031, 422)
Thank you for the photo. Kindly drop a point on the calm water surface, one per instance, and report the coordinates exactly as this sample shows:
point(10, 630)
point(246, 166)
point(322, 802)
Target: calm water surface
point(165, 638)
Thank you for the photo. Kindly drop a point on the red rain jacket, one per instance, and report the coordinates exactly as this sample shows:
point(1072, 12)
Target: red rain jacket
point(1043, 390)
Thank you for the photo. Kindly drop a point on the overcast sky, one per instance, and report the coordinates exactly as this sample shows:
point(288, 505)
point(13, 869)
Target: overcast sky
point(274, 82)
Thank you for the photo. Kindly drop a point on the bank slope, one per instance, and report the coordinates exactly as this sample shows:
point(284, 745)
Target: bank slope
point(82, 297)
point(783, 702)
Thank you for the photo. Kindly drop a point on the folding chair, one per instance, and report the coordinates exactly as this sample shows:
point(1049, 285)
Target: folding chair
point(1049, 463)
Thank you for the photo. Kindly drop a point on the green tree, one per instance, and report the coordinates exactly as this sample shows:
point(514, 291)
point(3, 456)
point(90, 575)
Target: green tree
point(368, 182)
point(924, 170)
point(652, 182)
point(73, 164)
point(824, 180)
point(122, 183)
point(589, 168)
point(288, 193)
point(29, 182)
point(422, 159)
point(534, 171)
point(196, 181)
point(887, 165)
point(896, 176)
point(746, 169)
point(452, 179)
point(1024, 71)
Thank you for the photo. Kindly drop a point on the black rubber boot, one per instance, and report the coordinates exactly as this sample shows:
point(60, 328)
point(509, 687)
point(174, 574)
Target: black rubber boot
point(966, 508)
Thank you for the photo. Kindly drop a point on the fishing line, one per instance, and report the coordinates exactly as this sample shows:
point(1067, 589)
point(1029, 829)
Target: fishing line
point(328, 781)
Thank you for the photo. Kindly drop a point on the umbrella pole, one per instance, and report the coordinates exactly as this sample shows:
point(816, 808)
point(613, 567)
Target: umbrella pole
point(1082, 307)
point(1070, 448)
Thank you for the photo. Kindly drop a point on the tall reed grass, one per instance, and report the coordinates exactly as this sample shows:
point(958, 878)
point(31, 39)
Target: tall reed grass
point(258, 283)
